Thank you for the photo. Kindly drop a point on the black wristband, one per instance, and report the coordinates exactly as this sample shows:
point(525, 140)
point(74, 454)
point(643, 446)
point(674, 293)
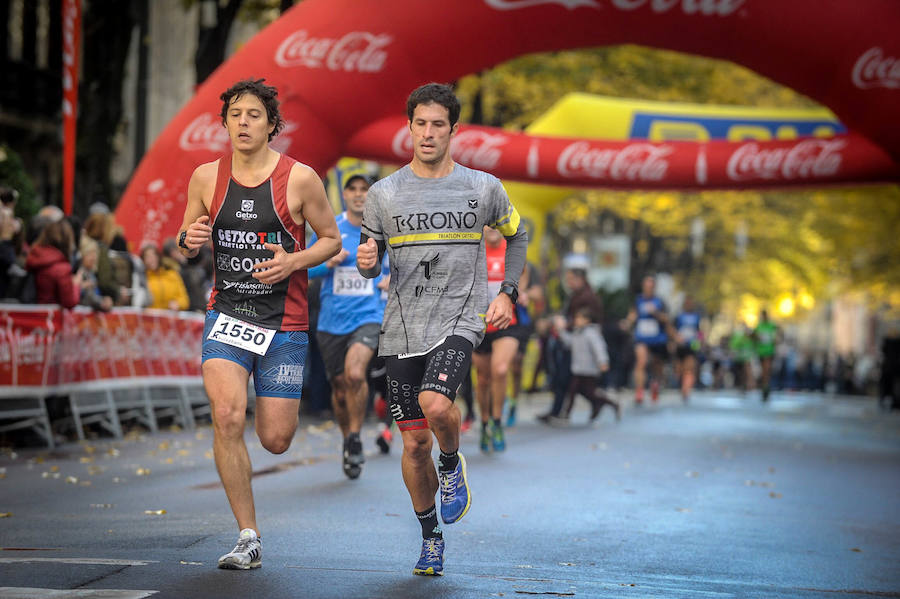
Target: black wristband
point(181, 240)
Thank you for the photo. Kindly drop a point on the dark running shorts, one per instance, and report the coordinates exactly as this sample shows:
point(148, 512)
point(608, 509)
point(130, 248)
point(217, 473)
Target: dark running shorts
point(441, 370)
point(277, 374)
point(334, 347)
point(486, 344)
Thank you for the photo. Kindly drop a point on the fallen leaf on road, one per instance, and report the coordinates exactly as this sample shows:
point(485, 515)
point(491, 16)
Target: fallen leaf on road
point(113, 452)
point(142, 471)
point(191, 563)
point(86, 460)
point(749, 483)
point(856, 550)
point(524, 566)
point(52, 468)
point(154, 512)
point(683, 510)
point(208, 455)
point(5, 514)
point(771, 470)
point(692, 474)
point(85, 483)
point(566, 564)
point(105, 506)
point(392, 515)
point(775, 495)
point(767, 485)
point(183, 452)
point(71, 480)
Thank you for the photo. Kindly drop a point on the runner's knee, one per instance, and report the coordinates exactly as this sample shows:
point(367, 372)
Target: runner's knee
point(276, 442)
point(418, 447)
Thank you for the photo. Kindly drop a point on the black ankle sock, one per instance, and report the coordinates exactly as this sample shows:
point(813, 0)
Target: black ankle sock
point(496, 422)
point(430, 527)
point(447, 462)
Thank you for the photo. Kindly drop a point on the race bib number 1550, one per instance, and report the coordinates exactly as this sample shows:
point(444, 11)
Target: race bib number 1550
point(244, 335)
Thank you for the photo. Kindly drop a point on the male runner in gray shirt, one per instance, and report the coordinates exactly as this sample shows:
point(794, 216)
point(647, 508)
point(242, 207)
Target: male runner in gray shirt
point(429, 216)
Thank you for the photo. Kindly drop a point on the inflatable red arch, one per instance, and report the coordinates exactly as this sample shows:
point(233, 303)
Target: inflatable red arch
point(344, 69)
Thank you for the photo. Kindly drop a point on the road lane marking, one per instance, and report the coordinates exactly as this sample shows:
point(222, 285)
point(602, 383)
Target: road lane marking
point(90, 561)
point(32, 593)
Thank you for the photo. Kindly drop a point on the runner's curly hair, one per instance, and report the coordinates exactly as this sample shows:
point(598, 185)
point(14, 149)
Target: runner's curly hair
point(266, 94)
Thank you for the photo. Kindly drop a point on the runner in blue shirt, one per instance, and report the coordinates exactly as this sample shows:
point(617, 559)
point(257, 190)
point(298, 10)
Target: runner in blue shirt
point(689, 338)
point(350, 315)
point(648, 316)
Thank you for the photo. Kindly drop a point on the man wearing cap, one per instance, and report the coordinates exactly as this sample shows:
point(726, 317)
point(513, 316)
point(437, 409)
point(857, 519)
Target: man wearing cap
point(350, 315)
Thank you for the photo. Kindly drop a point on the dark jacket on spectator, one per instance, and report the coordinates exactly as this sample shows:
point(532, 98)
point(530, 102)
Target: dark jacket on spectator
point(52, 276)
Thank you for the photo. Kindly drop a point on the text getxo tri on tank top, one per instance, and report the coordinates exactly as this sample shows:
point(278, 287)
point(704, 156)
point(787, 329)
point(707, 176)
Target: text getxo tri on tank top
point(243, 220)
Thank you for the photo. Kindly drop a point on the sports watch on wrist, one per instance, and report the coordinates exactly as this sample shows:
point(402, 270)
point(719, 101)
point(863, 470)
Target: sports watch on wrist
point(511, 290)
point(181, 240)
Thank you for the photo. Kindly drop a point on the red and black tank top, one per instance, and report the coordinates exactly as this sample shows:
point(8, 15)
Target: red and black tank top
point(245, 218)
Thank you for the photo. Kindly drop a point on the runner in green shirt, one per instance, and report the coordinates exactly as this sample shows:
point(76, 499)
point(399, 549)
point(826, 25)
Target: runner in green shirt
point(765, 335)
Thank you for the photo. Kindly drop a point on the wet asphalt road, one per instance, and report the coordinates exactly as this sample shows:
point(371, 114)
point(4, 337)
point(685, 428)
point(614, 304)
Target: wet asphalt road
point(724, 497)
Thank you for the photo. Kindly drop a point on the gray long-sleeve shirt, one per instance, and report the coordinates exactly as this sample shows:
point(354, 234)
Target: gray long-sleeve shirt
point(432, 230)
point(588, 350)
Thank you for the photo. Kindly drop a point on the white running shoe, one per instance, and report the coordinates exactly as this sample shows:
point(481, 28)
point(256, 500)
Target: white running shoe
point(246, 554)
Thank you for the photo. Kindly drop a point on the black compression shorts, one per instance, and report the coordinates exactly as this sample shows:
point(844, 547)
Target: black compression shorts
point(441, 370)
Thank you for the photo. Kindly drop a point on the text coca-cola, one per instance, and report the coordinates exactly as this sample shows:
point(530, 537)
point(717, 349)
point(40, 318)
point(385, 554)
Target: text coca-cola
point(634, 162)
point(874, 69)
point(812, 158)
point(358, 51)
point(205, 132)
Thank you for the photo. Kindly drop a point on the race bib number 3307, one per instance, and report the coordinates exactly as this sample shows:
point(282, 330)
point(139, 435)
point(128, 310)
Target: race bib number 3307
point(244, 335)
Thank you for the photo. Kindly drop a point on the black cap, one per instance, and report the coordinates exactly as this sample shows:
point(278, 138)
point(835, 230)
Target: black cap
point(354, 176)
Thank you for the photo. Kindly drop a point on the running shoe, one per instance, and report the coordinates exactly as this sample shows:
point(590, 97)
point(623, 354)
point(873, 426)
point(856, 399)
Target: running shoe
point(431, 560)
point(455, 496)
point(639, 396)
point(511, 417)
point(246, 554)
point(654, 391)
point(465, 426)
point(384, 440)
point(498, 442)
point(485, 439)
point(353, 456)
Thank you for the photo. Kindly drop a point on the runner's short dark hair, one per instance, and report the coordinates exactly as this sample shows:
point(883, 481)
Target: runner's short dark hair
point(437, 93)
point(266, 94)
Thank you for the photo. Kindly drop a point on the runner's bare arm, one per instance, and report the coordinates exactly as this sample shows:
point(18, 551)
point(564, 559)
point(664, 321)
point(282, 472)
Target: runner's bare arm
point(196, 212)
point(307, 201)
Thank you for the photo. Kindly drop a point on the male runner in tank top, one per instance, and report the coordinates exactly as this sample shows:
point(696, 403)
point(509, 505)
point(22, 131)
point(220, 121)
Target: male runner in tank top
point(428, 216)
point(493, 357)
point(349, 324)
point(254, 204)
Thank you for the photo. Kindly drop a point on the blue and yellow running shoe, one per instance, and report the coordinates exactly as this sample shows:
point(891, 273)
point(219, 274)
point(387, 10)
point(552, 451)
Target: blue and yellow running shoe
point(498, 442)
point(455, 496)
point(431, 560)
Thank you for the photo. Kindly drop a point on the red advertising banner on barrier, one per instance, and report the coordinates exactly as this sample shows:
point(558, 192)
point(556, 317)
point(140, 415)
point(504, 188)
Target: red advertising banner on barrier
point(46, 350)
point(338, 76)
point(575, 162)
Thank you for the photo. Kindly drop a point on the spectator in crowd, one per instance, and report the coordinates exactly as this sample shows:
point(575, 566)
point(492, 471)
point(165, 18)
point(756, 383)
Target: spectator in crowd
point(11, 272)
point(91, 293)
point(50, 261)
point(195, 272)
point(101, 227)
point(46, 215)
point(129, 273)
point(589, 360)
point(165, 284)
point(581, 296)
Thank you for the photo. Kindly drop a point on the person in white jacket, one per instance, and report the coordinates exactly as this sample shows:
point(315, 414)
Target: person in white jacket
point(590, 359)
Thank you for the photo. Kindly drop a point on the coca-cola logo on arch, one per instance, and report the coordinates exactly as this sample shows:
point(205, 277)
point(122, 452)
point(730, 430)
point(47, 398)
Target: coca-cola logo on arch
point(874, 69)
point(806, 159)
point(478, 149)
point(358, 51)
point(205, 132)
point(720, 8)
point(634, 162)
